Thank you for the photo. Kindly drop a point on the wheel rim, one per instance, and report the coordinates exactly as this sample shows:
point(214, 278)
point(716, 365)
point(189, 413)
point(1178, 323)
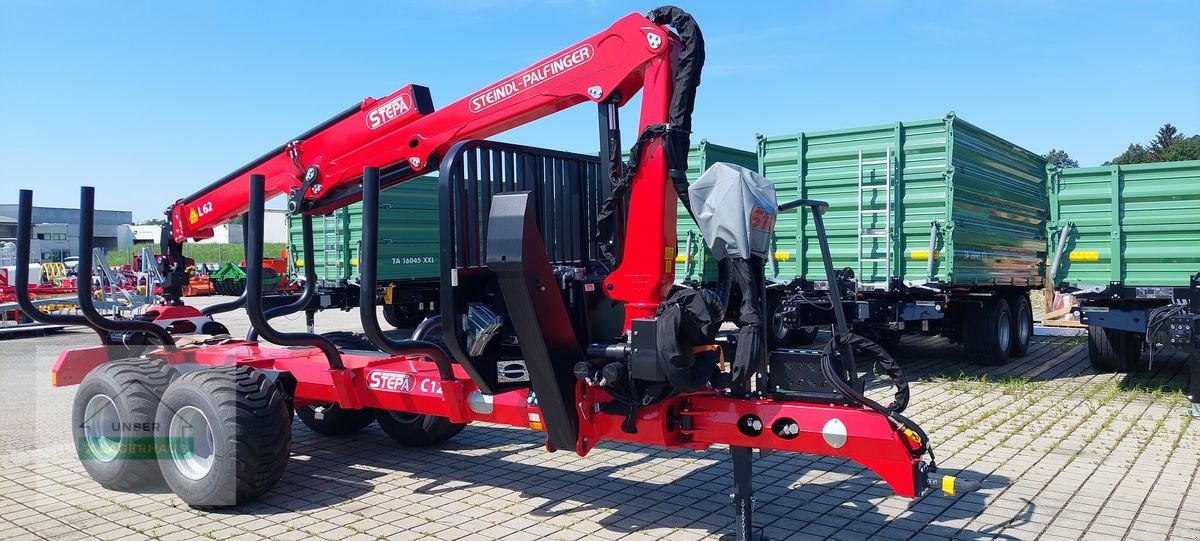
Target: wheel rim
point(191, 442)
point(102, 428)
point(405, 417)
point(1023, 326)
point(1004, 331)
point(777, 325)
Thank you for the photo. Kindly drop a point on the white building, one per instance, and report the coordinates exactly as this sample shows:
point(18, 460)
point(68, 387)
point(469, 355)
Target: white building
point(56, 230)
point(274, 226)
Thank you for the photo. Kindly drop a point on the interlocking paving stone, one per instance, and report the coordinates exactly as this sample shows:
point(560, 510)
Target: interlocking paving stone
point(1064, 453)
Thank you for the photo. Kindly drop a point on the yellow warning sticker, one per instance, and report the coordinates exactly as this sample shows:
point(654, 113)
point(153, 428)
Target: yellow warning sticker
point(1085, 256)
point(193, 217)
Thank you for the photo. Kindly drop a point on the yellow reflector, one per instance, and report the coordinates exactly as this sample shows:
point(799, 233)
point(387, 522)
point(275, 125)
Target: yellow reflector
point(299, 263)
point(948, 485)
point(54, 379)
point(923, 255)
point(681, 258)
point(1085, 256)
point(354, 262)
point(783, 256)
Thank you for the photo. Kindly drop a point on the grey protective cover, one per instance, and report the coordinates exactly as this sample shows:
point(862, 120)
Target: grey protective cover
point(735, 209)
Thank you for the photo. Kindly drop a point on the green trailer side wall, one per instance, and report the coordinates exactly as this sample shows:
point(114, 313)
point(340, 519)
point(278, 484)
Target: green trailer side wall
point(1137, 224)
point(693, 261)
point(329, 246)
point(408, 236)
point(988, 196)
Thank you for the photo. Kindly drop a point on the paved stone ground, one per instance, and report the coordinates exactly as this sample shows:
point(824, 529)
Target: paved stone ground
point(1064, 454)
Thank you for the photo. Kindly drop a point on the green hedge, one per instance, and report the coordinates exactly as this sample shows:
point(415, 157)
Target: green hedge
point(202, 253)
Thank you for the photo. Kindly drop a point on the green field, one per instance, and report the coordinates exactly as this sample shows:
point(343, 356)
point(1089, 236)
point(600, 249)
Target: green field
point(202, 253)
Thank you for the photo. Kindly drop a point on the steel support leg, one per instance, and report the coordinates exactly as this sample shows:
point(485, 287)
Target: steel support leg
point(743, 496)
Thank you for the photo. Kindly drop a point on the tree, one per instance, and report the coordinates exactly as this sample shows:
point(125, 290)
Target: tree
point(153, 221)
point(1136, 153)
point(1183, 149)
point(1060, 159)
point(1167, 136)
point(1168, 145)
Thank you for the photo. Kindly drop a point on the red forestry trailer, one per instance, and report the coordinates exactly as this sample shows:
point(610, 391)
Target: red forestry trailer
point(558, 312)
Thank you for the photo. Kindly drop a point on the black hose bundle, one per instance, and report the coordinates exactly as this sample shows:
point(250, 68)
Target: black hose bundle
point(901, 423)
point(676, 132)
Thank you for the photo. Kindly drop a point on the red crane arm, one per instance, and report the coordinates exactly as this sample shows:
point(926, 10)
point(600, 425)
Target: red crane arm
point(403, 127)
point(194, 216)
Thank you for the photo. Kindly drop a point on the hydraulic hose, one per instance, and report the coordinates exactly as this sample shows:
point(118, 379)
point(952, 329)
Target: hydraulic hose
point(902, 424)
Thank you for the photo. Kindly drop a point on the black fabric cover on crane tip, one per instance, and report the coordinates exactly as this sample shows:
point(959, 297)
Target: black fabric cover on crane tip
point(683, 96)
point(689, 318)
point(676, 133)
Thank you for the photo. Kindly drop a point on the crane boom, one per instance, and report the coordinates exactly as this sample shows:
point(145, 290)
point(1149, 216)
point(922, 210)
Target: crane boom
point(404, 128)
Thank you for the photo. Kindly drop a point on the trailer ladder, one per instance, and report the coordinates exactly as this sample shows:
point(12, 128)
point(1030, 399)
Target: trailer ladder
point(866, 211)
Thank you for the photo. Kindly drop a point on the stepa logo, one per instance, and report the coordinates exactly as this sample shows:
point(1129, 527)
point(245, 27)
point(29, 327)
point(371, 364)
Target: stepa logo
point(389, 111)
point(396, 382)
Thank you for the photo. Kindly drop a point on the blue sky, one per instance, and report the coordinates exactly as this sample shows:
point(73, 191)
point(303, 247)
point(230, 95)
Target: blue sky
point(150, 101)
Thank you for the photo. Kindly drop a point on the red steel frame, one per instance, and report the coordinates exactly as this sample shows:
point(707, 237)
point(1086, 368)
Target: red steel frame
point(869, 438)
point(633, 54)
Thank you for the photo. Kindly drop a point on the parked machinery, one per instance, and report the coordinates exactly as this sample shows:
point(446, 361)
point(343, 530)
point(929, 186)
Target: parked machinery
point(936, 227)
point(555, 269)
point(1126, 245)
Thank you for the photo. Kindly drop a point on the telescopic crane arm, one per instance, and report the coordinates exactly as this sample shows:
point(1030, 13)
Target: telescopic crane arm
point(321, 169)
point(404, 129)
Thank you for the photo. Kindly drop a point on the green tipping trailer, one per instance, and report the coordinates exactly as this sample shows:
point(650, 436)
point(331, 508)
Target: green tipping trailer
point(939, 225)
point(408, 250)
point(1125, 241)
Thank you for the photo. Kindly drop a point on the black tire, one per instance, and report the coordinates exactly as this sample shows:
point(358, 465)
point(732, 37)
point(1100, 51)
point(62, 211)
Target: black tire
point(987, 332)
point(213, 328)
point(247, 441)
point(416, 429)
point(1022, 326)
point(350, 340)
point(270, 280)
point(886, 338)
point(805, 336)
point(1112, 350)
point(127, 391)
point(780, 336)
point(402, 316)
point(331, 420)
